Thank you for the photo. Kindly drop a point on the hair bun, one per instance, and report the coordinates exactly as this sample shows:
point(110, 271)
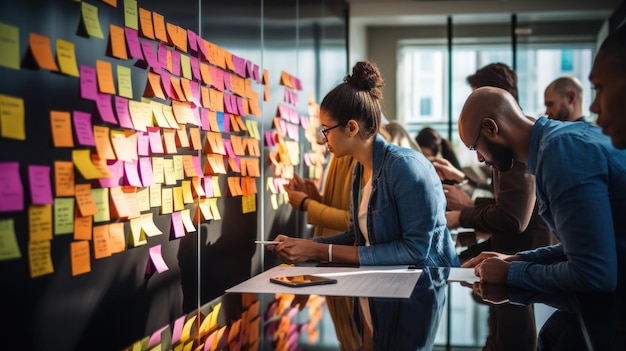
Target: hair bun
point(366, 76)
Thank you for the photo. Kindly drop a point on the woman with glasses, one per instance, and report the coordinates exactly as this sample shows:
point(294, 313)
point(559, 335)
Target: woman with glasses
point(398, 206)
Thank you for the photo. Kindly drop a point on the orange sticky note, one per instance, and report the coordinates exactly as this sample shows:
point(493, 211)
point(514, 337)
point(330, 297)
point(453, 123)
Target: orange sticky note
point(82, 226)
point(182, 139)
point(117, 241)
point(40, 259)
point(104, 72)
point(63, 178)
point(177, 36)
point(145, 23)
point(169, 141)
point(205, 74)
point(158, 21)
point(61, 125)
point(153, 86)
point(81, 261)
point(40, 48)
point(103, 143)
point(216, 99)
point(196, 141)
point(84, 200)
point(118, 42)
point(101, 244)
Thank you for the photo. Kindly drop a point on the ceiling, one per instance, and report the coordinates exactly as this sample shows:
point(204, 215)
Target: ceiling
point(426, 12)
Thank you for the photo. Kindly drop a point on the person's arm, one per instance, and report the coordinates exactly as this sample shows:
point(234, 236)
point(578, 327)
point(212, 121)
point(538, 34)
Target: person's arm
point(512, 209)
point(326, 216)
point(576, 191)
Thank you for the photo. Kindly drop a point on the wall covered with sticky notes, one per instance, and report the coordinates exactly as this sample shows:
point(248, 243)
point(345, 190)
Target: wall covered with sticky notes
point(145, 146)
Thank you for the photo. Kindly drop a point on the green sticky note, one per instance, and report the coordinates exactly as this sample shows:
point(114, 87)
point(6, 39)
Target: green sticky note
point(9, 249)
point(63, 215)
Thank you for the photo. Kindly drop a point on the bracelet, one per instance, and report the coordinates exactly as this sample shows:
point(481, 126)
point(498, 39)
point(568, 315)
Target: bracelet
point(330, 252)
point(302, 203)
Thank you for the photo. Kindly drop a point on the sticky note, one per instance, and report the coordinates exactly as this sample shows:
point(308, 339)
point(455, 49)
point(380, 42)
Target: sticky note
point(188, 223)
point(67, 57)
point(148, 226)
point(131, 16)
point(81, 260)
point(145, 23)
point(82, 226)
point(9, 46)
point(167, 203)
point(178, 228)
point(9, 248)
point(117, 241)
point(63, 215)
point(40, 222)
point(39, 258)
point(143, 199)
point(157, 259)
point(101, 199)
point(155, 195)
point(88, 83)
point(136, 236)
point(40, 48)
point(61, 128)
point(84, 200)
point(91, 20)
point(118, 42)
point(12, 118)
point(124, 82)
point(101, 242)
point(83, 128)
point(104, 73)
point(40, 188)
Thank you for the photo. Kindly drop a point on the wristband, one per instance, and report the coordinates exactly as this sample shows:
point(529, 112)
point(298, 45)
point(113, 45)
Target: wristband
point(330, 252)
point(302, 203)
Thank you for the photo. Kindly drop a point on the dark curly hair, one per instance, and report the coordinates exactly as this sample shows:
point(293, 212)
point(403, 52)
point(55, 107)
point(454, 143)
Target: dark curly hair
point(497, 75)
point(357, 98)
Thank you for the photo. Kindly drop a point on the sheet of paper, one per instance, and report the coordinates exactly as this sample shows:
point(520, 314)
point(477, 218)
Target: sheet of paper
point(387, 282)
point(462, 275)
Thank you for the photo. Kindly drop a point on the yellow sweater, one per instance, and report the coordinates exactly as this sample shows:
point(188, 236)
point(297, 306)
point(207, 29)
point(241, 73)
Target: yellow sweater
point(332, 216)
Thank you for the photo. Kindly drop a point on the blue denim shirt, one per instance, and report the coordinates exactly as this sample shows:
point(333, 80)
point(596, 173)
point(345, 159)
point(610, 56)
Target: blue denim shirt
point(406, 219)
point(581, 191)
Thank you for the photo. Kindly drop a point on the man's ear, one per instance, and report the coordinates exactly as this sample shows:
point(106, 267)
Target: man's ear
point(491, 126)
point(570, 96)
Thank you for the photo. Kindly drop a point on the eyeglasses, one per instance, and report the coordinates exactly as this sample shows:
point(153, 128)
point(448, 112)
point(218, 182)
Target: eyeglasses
point(472, 147)
point(324, 131)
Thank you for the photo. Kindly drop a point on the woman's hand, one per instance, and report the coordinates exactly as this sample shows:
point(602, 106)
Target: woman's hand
point(446, 170)
point(456, 198)
point(293, 250)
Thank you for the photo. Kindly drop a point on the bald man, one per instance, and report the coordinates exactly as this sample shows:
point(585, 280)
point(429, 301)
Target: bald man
point(577, 172)
point(564, 100)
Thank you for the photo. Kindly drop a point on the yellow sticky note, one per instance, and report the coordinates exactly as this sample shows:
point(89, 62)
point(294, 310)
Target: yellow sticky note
point(167, 203)
point(186, 333)
point(81, 260)
point(101, 199)
point(82, 161)
point(40, 222)
point(9, 249)
point(274, 201)
point(148, 226)
point(9, 46)
point(12, 117)
point(177, 194)
point(248, 203)
point(169, 141)
point(185, 65)
point(131, 16)
point(217, 192)
point(39, 258)
point(143, 198)
point(155, 195)
point(91, 20)
point(124, 82)
point(63, 215)
point(187, 222)
point(136, 237)
point(179, 167)
point(168, 169)
point(187, 195)
point(66, 56)
point(138, 115)
point(101, 242)
point(214, 210)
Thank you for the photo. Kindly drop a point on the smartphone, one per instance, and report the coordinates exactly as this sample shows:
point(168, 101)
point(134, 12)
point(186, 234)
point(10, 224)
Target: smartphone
point(302, 280)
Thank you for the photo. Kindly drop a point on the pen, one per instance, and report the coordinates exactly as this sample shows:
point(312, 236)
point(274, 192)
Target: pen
point(266, 242)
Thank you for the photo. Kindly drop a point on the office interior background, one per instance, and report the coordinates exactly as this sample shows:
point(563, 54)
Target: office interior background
point(425, 50)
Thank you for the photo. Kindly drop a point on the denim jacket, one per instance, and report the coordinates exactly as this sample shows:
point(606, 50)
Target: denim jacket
point(406, 220)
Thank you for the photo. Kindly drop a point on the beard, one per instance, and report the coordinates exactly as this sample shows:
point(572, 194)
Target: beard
point(501, 156)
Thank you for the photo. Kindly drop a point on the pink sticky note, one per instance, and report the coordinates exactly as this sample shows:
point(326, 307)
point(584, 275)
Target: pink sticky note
point(177, 225)
point(269, 138)
point(196, 117)
point(40, 189)
point(229, 148)
point(227, 84)
point(195, 92)
point(132, 40)
point(195, 68)
point(255, 74)
point(157, 259)
point(117, 169)
point(105, 108)
point(156, 144)
point(11, 191)
point(227, 104)
point(155, 338)
point(240, 105)
point(202, 47)
point(208, 187)
point(176, 63)
point(249, 69)
point(162, 54)
point(123, 114)
point(150, 55)
point(83, 128)
point(131, 174)
point(223, 120)
point(178, 329)
point(192, 41)
point(88, 83)
point(307, 159)
point(217, 79)
point(197, 165)
point(145, 170)
point(204, 119)
point(143, 144)
point(166, 84)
